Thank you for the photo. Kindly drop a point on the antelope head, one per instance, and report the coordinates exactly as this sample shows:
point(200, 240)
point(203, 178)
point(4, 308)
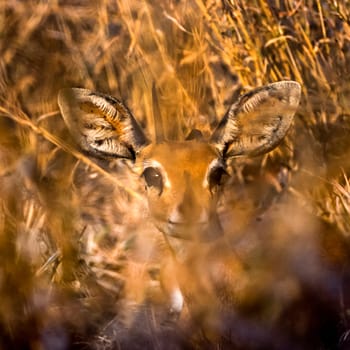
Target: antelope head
point(182, 178)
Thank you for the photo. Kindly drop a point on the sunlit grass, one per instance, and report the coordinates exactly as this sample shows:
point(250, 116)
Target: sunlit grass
point(74, 244)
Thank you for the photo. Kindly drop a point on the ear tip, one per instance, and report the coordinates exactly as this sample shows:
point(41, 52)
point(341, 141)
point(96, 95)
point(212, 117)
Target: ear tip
point(295, 92)
point(290, 89)
point(69, 93)
point(289, 85)
point(294, 86)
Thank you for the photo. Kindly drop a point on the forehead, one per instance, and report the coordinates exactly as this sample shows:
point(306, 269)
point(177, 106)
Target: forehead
point(189, 156)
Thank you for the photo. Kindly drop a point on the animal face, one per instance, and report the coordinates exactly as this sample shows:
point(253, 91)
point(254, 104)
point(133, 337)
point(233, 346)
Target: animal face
point(182, 181)
point(182, 178)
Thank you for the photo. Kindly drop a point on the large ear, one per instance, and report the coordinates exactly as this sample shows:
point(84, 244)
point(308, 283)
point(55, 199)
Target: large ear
point(101, 124)
point(258, 121)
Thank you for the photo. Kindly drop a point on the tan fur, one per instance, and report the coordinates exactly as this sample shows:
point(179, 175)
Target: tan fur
point(194, 158)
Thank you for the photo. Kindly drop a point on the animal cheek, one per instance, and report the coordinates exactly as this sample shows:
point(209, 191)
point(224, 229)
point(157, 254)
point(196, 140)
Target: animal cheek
point(159, 206)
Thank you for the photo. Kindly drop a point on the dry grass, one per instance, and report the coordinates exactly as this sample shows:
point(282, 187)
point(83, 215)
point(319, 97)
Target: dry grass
point(72, 241)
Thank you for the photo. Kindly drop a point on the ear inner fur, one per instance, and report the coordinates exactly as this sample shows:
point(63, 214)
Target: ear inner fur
point(258, 121)
point(101, 124)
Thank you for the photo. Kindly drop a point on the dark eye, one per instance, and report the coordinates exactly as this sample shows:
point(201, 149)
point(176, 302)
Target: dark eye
point(153, 178)
point(216, 177)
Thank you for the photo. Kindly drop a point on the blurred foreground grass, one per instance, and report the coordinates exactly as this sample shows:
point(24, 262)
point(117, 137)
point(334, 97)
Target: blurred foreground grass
point(72, 234)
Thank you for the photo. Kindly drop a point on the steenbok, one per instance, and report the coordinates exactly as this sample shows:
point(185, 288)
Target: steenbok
point(182, 178)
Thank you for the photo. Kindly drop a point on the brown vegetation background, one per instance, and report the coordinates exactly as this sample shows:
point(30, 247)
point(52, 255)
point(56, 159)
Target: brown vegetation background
point(68, 224)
